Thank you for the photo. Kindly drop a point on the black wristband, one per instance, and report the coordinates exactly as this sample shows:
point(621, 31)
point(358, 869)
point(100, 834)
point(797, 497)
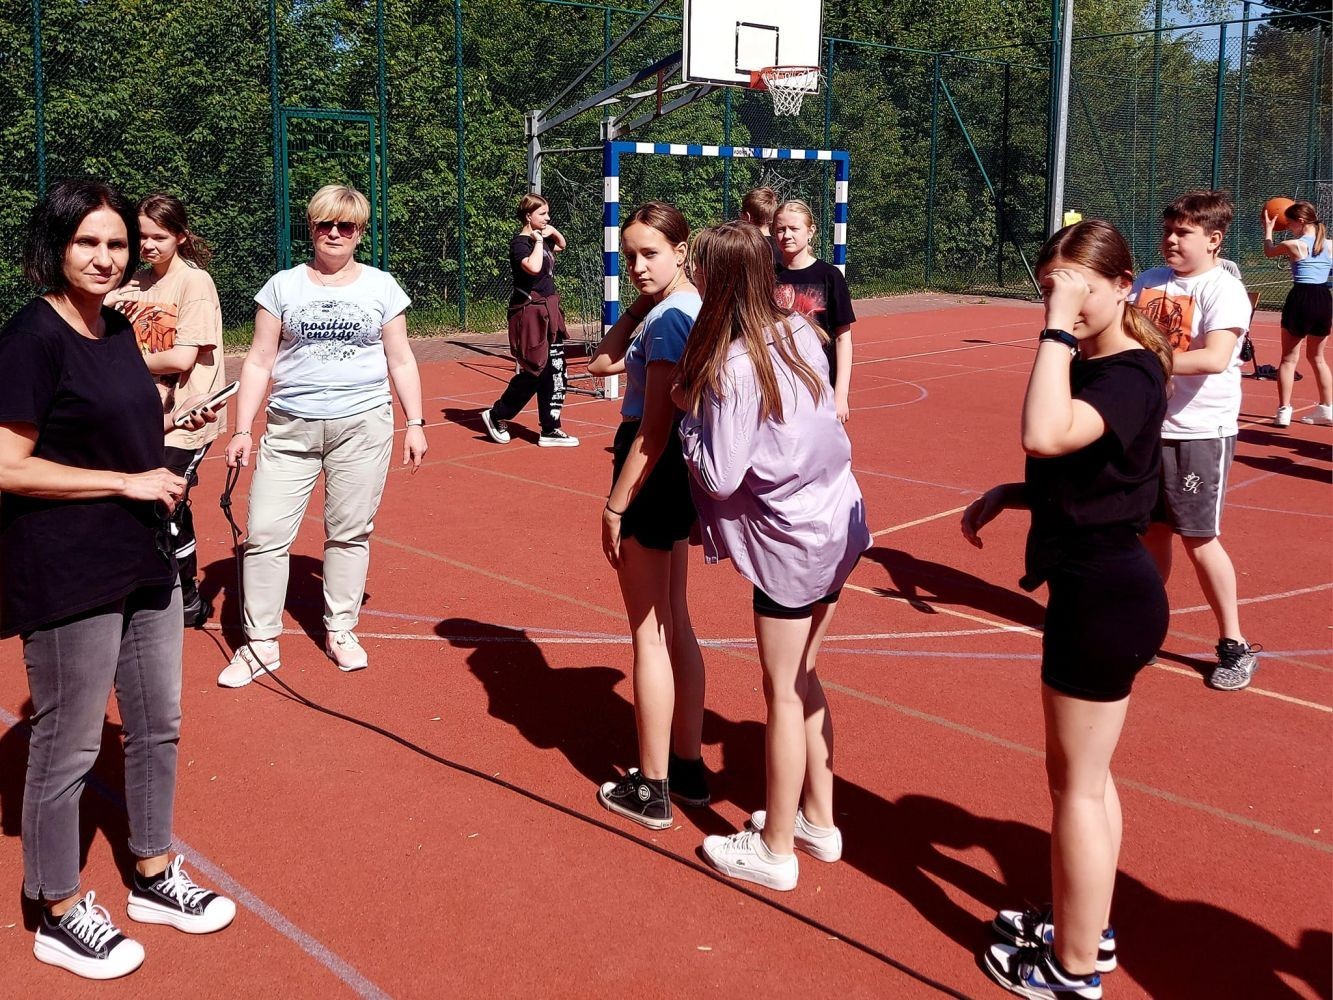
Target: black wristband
point(1061, 337)
point(618, 513)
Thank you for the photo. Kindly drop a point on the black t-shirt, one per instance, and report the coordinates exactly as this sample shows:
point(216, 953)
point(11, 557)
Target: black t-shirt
point(524, 283)
point(777, 252)
point(820, 292)
point(95, 406)
point(1110, 486)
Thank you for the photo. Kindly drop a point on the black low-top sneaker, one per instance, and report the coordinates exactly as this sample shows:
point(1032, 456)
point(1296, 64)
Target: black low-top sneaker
point(688, 781)
point(196, 611)
point(172, 898)
point(1034, 973)
point(1236, 664)
point(641, 799)
point(1028, 928)
point(85, 942)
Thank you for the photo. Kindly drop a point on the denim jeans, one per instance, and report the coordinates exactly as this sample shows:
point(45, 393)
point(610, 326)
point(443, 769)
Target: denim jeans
point(134, 645)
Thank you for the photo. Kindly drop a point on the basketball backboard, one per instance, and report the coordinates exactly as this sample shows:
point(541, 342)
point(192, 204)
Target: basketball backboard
point(727, 40)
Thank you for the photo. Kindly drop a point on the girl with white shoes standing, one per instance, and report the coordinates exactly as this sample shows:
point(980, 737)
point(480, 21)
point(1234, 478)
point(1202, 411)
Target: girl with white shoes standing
point(331, 334)
point(1307, 312)
point(772, 474)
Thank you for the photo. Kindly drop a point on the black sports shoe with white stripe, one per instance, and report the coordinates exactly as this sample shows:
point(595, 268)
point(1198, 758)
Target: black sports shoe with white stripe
point(172, 898)
point(638, 798)
point(1028, 928)
point(85, 942)
point(1034, 973)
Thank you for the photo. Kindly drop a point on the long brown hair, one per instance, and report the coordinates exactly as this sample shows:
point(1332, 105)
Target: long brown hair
point(663, 217)
point(169, 212)
point(1098, 245)
point(1307, 215)
point(737, 264)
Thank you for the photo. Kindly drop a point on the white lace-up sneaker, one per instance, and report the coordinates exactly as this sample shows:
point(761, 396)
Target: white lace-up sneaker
point(1283, 418)
point(1322, 415)
point(823, 844)
point(745, 856)
point(345, 649)
point(253, 658)
point(174, 899)
point(85, 942)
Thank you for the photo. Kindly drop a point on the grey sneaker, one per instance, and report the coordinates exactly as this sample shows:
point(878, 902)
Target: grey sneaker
point(497, 429)
point(1236, 664)
point(557, 439)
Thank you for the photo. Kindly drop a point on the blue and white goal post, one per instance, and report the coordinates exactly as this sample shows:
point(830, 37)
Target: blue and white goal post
point(613, 151)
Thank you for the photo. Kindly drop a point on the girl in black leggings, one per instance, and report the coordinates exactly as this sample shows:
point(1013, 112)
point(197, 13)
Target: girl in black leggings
point(1091, 429)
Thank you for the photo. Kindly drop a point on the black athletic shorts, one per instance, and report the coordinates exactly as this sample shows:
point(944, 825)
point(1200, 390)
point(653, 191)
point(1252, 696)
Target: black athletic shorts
point(769, 608)
point(1308, 311)
point(1105, 619)
point(662, 512)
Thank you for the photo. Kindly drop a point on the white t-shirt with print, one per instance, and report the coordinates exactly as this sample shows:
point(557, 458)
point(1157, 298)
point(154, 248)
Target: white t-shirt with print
point(331, 361)
point(1200, 406)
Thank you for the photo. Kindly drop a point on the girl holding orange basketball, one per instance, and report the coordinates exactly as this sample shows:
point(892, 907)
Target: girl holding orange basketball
point(1308, 309)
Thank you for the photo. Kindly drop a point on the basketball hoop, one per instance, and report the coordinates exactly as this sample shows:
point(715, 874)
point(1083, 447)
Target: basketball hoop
point(787, 85)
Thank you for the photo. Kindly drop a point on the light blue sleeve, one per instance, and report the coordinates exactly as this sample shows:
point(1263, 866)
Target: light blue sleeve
point(665, 337)
point(268, 297)
point(395, 299)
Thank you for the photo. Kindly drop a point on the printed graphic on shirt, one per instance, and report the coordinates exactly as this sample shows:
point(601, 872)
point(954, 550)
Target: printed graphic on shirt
point(808, 299)
point(155, 329)
point(1173, 315)
point(333, 329)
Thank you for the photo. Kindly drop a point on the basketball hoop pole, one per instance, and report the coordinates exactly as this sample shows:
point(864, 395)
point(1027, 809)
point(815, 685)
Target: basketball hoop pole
point(1060, 132)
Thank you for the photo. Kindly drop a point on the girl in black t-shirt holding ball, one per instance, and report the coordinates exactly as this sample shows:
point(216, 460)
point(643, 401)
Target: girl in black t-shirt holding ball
point(1091, 428)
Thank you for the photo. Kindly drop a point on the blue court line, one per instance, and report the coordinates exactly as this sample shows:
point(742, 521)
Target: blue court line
point(340, 968)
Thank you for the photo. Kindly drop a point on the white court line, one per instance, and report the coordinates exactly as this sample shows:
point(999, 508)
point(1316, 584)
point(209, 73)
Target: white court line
point(919, 520)
point(1276, 510)
point(951, 350)
point(1264, 598)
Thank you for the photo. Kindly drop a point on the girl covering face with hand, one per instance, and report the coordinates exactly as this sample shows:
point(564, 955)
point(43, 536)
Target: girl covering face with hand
point(1091, 429)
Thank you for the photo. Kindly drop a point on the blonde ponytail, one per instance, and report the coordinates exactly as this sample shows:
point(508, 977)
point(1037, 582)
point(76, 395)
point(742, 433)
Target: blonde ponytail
point(1140, 328)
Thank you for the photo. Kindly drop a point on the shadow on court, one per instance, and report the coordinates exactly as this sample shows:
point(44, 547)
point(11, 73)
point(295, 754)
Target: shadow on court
point(922, 583)
point(305, 596)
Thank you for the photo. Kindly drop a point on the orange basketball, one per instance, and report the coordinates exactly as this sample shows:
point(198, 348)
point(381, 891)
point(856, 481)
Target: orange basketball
point(1276, 208)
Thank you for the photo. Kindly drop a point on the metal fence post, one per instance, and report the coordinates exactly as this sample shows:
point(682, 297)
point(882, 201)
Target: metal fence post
point(1312, 144)
point(1156, 104)
point(930, 178)
point(281, 246)
point(1219, 106)
point(461, 167)
point(726, 164)
point(1240, 98)
point(39, 98)
point(382, 74)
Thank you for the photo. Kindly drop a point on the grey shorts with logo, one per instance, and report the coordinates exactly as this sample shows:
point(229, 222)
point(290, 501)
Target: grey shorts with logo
point(1194, 482)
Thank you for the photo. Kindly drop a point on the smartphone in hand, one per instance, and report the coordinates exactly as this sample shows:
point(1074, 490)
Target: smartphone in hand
point(213, 402)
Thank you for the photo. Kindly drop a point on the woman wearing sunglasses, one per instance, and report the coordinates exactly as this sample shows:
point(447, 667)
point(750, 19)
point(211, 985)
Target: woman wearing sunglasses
point(331, 336)
point(87, 579)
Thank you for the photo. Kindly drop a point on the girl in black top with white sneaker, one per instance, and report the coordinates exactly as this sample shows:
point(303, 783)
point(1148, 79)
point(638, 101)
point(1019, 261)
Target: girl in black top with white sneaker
point(1091, 429)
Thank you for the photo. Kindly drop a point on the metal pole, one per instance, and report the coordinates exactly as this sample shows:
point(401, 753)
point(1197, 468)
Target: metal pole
point(1240, 101)
point(39, 97)
point(1004, 180)
point(828, 130)
point(1056, 218)
point(930, 179)
point(1219, 104)
point(726, 164)
point(1156, 104)
point(460, 169)
point(383, 135)
point(281, 245)
point(1312, 132)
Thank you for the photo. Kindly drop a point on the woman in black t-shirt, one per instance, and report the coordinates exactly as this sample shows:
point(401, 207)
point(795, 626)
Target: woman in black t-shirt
point(87, 577)
point(536, 330)
point(1091, 429)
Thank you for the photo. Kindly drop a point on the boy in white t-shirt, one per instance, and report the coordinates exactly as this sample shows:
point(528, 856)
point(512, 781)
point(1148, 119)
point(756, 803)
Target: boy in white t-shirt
point(1205, 312)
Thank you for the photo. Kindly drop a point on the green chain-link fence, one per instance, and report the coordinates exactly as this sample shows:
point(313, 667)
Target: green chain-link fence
point(243, 108)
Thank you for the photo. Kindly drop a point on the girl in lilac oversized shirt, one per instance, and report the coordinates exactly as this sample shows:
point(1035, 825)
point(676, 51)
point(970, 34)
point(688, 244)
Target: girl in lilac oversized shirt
point(771, 472)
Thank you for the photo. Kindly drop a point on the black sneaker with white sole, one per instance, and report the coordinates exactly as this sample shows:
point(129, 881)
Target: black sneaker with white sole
point(688, 781)
point(557, 439)
point(497, 430)
point(1236, 664)
point(1035, 973)
point(1027, 928)
point(172, 898)
point(641, 799)
point(85, 942)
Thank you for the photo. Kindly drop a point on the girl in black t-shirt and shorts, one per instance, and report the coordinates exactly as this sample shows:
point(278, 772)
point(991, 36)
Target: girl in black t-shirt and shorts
point(1091, 428)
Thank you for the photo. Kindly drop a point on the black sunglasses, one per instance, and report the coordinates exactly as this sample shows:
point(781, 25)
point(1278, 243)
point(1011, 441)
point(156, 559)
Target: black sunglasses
point(345, 229)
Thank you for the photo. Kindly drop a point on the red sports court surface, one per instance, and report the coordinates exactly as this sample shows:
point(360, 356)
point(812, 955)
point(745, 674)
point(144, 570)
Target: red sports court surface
point(498, 645)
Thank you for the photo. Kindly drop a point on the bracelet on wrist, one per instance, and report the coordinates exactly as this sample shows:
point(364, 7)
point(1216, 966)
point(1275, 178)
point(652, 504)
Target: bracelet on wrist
point(237, 434)
point(1060, 337)
point(417, 422)
point(611, 510)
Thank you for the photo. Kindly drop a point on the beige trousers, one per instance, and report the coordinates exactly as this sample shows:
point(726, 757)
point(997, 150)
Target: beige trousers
point(353, 453)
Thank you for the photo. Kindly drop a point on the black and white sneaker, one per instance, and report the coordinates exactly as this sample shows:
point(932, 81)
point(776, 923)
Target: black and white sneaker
point(688, 781)
point(498, 430)
point(1034, 972)
point(85, 942)
point(1236, 664)
point(196, 610)
point(557, 439)
point(172, 898)
point(638, 798)
point(1028, 928)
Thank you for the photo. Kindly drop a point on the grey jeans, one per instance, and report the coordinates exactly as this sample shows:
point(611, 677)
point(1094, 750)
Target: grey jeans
point(134, 645)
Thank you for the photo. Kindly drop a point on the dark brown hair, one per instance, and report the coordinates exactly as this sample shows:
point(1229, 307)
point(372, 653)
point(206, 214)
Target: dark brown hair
point(760, 205)
point(169, 213)
point(527, 204)
point(1211, 210)
point(1306, 214)
point(663, 217)
point(1098, 246)
point(56, 219)
point(738, 304)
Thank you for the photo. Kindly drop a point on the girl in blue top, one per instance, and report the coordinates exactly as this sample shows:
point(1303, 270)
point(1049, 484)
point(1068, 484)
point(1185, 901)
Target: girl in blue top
point(1308, 310)
point(647, 521)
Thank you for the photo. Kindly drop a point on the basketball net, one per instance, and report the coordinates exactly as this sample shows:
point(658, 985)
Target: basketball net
point(787, 85)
